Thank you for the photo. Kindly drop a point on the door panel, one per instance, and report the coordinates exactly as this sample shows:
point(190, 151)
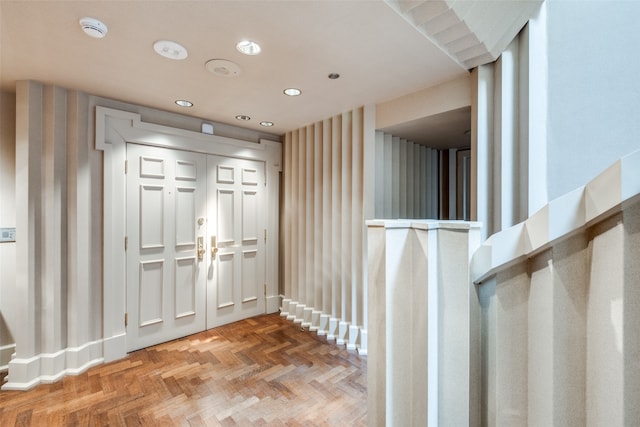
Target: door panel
point(225, 276)
point(151, 207)
point(236, 207)
point(185, 296)
point(249, 276)
point(151, 299)
point(166, 281)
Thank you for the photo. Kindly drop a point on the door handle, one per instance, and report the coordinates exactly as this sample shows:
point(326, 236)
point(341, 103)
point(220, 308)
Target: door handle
point(201, 249)
point(214, 248)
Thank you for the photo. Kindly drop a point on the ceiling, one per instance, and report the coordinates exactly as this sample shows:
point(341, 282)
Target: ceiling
point(377, 47)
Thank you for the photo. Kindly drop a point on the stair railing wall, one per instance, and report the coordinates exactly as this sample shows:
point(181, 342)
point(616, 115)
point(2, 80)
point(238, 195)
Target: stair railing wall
point(558, 297)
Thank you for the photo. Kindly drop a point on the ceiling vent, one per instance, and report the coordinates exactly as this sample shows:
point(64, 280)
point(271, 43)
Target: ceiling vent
point(94, 28)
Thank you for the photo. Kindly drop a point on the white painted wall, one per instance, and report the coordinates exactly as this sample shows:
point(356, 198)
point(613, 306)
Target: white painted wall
point(593, 88)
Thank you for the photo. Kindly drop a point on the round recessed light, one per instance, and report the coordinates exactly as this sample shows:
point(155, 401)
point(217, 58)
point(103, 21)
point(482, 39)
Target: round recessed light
point(94, 28)
point(292, 91)
point(169, 49)
point(223, 68)
point(184, 103)
point(266, 124)
point(248, 47)
point(243, 117)
point(334, 76)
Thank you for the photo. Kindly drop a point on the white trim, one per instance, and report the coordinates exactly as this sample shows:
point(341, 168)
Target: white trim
point(272, 302)
point(50, 367)
point(6, 351)
point(363, 349)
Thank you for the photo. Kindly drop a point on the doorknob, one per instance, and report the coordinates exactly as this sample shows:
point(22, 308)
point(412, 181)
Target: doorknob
point(201, 249)
point(214, 248)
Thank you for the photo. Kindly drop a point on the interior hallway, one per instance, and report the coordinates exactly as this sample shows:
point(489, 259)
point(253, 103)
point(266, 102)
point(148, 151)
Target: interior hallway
point(259, 371)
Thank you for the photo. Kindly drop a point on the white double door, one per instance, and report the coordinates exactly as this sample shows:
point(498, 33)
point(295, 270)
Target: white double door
point(195, 242)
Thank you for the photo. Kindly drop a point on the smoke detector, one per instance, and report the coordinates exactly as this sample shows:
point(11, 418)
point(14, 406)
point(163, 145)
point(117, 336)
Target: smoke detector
point(93, 27)
point(223, 68)
point(170, 49)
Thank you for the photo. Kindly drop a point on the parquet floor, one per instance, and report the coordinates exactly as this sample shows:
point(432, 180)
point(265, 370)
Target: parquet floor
point(262, 371)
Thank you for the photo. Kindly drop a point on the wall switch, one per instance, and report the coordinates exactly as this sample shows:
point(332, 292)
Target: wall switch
point(7, 234)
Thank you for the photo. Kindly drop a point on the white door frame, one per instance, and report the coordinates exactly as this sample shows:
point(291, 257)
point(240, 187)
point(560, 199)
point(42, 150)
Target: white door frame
point(114, 128)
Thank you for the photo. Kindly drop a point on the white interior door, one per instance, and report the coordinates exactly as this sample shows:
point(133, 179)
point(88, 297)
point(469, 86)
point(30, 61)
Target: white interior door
point(237, 210)
point(166, 233)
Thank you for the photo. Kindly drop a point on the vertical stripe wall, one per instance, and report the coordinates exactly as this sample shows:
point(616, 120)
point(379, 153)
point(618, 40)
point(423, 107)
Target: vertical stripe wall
point(51, 309)
point(324, 225)
point(509, 151)
point(407, 179)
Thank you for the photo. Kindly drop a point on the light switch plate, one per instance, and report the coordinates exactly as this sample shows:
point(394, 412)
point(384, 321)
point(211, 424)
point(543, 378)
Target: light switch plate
point(7, 234)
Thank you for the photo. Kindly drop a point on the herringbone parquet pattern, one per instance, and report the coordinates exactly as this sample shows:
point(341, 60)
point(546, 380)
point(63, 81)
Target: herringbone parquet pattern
point(262, 371)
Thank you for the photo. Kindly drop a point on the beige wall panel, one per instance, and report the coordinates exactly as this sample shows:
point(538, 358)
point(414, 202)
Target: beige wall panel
point(317, 215)
point(571, 276)
point(512, 297)
point(631, 312)
point(301, 253)
point(357, 219)
point(327, 208)
point(336, 216)
point(294, 215)
point(604, 354)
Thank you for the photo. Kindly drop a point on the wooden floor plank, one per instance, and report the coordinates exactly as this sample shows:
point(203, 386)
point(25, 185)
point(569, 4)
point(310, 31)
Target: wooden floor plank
point(262, 371)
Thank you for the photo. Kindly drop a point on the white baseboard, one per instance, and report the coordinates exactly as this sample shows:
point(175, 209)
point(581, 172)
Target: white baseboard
point(364, 336)
point(306, 317)
point(323, 328)
point(273, 304)
point(25, 373)
point(315, 321)
point(6, 351)
point(115, 347)
point(299, 314)
point(343, 333)
point(291, 314)
point(354, 337)
point(284, 310)
point(332, 332)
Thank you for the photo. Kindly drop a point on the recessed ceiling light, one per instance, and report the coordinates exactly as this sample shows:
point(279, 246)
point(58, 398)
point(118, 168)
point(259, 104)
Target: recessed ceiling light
point(248, 47)
point(292, 91)
point(266, 124)
point(243, 117)
point(169, 49)
point(94, 28)
point(184, 103)
point(334, 76)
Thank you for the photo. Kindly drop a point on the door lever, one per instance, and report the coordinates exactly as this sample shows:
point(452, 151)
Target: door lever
point(214, 248)
point(201, 249)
